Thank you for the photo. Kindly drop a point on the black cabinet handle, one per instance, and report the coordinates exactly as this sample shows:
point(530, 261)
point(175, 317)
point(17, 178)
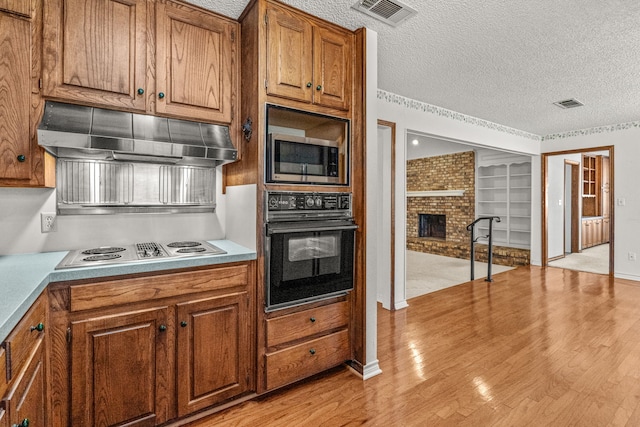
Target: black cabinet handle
point(22, 158)
point(162, 328)
point(183, 324)
point(312, 319)
point(161, 95)
point(312, 351)
point(24, 423)
point(319, 87)
point(308, 84)
point(140, 91)
point(39, 327)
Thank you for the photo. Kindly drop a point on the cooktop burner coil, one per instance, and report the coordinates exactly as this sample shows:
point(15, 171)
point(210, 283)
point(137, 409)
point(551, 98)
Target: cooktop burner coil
point(103, 250)
point(191, 250)
point(184, 244)
point(103, 257)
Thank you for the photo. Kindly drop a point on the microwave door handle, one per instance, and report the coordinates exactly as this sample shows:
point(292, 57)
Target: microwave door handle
point(271, 231)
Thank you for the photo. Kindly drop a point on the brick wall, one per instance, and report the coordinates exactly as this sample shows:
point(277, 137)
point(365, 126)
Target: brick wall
point(450, 172)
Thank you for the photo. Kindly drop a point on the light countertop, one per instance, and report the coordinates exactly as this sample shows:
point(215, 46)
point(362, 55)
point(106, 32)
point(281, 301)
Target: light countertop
point(23, 277)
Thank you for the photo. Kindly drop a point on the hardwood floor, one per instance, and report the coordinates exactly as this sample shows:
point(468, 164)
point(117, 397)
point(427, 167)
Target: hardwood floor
point(543, 347)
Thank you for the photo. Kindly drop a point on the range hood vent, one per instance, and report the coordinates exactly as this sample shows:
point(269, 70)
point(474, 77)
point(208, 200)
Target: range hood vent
point(387, 11)
point(79, 132)
point(569, 103)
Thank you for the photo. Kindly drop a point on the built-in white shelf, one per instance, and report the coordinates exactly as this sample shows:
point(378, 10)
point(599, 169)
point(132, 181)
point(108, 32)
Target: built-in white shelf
point(436, 193)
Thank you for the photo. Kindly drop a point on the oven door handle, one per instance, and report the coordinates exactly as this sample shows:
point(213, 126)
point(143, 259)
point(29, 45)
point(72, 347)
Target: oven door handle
point(271, 231)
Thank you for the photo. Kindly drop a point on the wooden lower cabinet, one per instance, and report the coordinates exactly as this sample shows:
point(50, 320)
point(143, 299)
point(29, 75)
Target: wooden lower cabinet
point(213, 363)
point(161, 347)
point(119, 369)
point(304, 343)
point(25, 401)
point(23, 370)
point(595, 231)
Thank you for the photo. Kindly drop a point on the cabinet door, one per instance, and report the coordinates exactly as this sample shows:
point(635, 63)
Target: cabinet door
point(194, 63)
point(289, 55)
point(214, 351)
point(95, 52)
point(119, 369)
point(21, 7)
point(15, 97)
point(26, 399)
point(332, 68)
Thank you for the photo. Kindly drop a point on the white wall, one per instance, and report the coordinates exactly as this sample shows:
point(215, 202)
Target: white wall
point(624, 138)
point(371, 367)
point(412, 116)
point(20, 224)
point(556, 203)
point(383, 182)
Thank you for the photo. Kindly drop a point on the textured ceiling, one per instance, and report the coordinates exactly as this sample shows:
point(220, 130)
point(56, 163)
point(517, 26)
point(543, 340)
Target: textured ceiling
point(505, 61)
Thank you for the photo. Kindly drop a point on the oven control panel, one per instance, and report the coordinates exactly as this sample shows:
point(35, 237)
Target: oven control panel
point(290, 201)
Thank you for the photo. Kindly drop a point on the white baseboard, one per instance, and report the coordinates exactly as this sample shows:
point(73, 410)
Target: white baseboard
point(401, 304)
point(627, 276)
point(371, 370)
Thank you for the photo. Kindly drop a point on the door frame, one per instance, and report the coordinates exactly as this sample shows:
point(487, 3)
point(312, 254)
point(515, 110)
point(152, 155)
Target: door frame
point(575, 208)
point(392, 255)
point(544, 159)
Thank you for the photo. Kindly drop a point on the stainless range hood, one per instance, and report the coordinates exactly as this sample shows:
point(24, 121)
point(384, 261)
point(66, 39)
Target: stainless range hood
point(79, 132)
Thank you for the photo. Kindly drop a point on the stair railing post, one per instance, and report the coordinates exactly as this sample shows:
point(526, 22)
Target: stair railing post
point(490, 254)
point(473, 252)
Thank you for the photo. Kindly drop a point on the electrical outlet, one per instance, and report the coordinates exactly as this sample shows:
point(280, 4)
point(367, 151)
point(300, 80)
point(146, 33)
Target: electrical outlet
point(48, 222)
point(632, 256)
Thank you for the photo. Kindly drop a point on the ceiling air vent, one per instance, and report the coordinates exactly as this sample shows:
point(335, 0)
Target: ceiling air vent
point(569, 103)
point(390, 12)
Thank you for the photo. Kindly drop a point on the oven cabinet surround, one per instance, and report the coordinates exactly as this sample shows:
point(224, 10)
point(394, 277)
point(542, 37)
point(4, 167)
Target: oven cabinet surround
point(156, 56)
point(22, 162)
point(148, 349)
point(284, 49)
point(306, 61)
point(305, 341)
point(23, 370)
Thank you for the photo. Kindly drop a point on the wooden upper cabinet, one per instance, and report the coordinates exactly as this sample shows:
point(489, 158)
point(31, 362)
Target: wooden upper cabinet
point(307, 61)
point(289, 55)
point(95, 52)
point(194, 63)
point(15, 97)
point(332, 68)
point(101, 52)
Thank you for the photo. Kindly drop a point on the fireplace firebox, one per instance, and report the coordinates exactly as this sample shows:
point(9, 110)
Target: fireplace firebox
point(431, 225)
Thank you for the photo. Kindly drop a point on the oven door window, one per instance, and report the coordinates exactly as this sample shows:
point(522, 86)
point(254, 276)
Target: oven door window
point(309, 265)
point(312, 255)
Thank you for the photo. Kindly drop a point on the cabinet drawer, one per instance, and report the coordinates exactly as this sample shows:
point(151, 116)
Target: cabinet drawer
point(305, 359)
point(24, 336)
point(307, 323)
point(148, 288)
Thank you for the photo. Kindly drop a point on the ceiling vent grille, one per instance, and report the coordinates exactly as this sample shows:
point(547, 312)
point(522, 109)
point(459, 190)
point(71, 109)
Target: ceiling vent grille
point(569, 103)
point(387, 11)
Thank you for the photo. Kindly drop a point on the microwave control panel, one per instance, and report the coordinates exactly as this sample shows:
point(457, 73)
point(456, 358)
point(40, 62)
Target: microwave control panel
point(290, 201)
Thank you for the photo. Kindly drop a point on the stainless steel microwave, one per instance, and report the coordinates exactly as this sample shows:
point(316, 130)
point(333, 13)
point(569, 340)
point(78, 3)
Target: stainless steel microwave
point(298, 159)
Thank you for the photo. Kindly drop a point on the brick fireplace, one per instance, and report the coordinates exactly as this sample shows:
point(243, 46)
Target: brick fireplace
point(438, 177)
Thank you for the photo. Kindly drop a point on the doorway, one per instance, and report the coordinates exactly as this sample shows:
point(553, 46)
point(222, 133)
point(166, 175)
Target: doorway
point(588, 176)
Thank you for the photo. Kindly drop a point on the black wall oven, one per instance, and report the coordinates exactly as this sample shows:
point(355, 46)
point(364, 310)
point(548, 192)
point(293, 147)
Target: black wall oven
point(309, 247)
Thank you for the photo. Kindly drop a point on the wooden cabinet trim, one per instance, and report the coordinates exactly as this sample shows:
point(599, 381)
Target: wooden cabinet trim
point(3, 372)
point(146, 288)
